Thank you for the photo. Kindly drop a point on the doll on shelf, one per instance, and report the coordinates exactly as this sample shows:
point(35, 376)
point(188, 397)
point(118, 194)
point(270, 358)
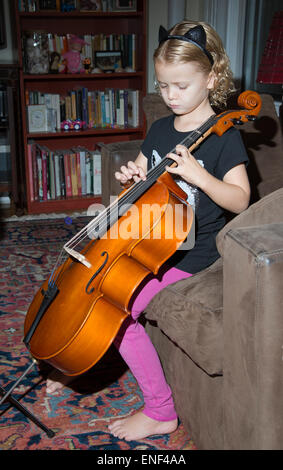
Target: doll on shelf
point(74, 58)
point(87, 64)
point(56, 64)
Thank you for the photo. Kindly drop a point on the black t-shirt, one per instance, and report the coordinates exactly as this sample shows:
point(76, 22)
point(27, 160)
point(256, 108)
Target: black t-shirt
point(217, 155)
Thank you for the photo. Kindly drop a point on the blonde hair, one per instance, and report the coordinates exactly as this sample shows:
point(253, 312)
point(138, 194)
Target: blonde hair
point(178, 51)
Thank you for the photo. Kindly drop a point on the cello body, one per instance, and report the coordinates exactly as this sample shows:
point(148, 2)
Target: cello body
point(83, 319)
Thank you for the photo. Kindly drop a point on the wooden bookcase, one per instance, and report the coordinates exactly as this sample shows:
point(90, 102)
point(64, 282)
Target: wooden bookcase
point(80, 23)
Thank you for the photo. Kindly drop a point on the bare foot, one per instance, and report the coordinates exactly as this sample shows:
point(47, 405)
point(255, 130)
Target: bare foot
point(57, 381)
point(139, 426)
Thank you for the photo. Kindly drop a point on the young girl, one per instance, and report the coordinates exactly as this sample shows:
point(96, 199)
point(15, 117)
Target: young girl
point(192, 73)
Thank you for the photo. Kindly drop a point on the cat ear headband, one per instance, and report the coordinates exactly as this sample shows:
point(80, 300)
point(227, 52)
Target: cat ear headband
point(196, 36)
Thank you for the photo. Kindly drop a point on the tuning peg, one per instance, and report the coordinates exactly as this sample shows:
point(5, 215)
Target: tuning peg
point(251, 117)
point(238, 122)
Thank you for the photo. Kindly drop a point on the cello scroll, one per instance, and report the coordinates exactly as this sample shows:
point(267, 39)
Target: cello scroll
point(250, 101)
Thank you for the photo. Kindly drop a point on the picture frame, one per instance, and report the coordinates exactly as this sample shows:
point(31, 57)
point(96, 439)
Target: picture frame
point(124, 5)
point(37, 118)
point(108, 61)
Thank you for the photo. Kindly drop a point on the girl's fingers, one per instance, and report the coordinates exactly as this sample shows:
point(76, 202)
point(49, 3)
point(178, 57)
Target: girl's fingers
point(136, 170)
point(179, 159)
point(182, 150)
point(119, 176)
point(132, 166)
point(173, 156)
point(172, 169)
point(132, 171)
point(142, 174)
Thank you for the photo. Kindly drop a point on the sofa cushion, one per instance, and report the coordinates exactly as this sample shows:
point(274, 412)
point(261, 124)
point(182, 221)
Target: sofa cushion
point(189, 312)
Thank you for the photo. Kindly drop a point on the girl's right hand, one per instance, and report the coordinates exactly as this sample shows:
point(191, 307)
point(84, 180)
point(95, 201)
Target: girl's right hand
point(130, 172)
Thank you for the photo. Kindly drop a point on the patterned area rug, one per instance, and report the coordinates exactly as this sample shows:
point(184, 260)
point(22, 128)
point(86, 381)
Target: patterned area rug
point(80, 413)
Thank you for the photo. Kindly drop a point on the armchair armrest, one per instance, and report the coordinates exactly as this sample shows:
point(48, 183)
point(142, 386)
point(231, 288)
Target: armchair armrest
point(253, 337)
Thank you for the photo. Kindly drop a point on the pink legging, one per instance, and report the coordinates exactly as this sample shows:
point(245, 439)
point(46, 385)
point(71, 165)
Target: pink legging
point(140, 355)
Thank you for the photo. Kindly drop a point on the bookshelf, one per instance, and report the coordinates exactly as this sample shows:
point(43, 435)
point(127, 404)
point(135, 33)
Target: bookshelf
point(81, 23)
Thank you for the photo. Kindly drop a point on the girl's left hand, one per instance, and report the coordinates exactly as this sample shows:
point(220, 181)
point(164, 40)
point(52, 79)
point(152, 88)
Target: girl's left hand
point(187, 166)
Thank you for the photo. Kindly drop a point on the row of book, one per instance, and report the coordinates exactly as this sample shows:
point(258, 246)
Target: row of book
point(63, 174)
point(112, 108)
point(71, 5)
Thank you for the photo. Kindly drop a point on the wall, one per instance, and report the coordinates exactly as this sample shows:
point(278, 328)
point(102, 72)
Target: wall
point(228, 19)
point(157, 15)
point(226, 16)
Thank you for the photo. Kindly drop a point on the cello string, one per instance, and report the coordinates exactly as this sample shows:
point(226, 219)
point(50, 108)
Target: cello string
point(101, 222)
point(151, 175)
point(131, 194)
point(136, 189)
point(105, 216)
point(52, 279)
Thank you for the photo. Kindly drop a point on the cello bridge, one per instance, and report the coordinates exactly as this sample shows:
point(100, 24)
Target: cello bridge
point(78, 256)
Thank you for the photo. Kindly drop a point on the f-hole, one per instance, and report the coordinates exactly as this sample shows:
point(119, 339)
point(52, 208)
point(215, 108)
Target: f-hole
point(87, 289)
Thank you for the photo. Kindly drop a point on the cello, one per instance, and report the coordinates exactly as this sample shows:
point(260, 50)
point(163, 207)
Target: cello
point(77, 312)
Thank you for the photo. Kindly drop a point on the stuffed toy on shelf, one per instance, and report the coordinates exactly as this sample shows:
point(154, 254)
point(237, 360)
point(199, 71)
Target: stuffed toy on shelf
point(74, 57)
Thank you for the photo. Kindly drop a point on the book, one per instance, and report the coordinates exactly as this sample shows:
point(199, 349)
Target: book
point(96, 171)
point(37, 118)
point(79, 176)
point(30, 172)
point(81, 156)
point(89, 179)
point(69, 5)
point(42, 162)
point(34, 171)
point(84, 105)
point(133, 108)
point(62, 175)
point(57, 175)
point(47, 4)
point(67, 170)
point(52, 176)
point(39, 174)
point(74, 179)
